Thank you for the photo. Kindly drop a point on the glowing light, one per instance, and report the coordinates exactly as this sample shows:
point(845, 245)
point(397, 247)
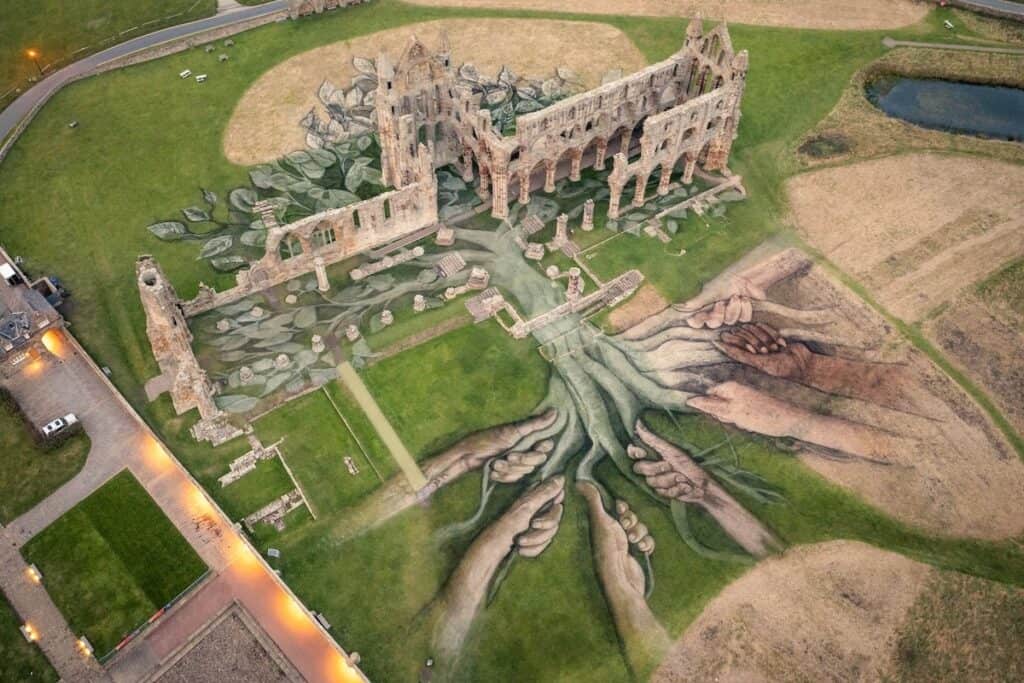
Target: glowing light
point(84, 646)
point(54, 343)
point(33, 573)
point(155, 455)
point(32, 54)
point(30, 633)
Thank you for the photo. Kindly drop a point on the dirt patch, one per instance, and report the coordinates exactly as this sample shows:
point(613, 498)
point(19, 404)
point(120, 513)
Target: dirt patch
point(987, 348)
point(870, 133)
point(828, 14)
point(947, 468)
point(646, 302)
point(847, 611)
point(953, 221)
point(826, 612)
point(265, 124)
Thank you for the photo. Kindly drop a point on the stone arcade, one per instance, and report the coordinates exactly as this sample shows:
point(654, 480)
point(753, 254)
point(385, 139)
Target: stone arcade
point(686, 109)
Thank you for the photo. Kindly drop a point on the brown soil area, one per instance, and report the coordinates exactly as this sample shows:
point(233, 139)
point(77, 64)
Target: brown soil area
point(867, 132)
point(265, 123)
point(826, 612)
point(959, 478)
point(846, 611)
point(990, 350)
point(828, 14)
point(646, 302)
point(952, 221)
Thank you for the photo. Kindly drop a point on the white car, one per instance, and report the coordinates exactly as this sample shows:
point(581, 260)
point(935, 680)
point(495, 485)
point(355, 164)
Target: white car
point(60, 424)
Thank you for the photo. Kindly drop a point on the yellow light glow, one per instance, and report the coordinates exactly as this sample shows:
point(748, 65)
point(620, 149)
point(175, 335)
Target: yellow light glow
point(32, 54)
point(30, 632)
point(33, 575)
point(155, 455)
point(54, 343)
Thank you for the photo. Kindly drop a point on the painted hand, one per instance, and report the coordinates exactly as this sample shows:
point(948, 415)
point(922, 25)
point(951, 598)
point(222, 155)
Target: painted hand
point(761, 346)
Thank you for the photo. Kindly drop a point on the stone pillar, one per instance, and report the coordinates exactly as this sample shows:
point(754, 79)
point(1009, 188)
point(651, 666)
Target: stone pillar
point(549, 175)
point(467, 166)
point(524, 188)
point(666, 178)
point(624, 142)
point(641, 190)
point(689, 165)
point(599, 154)
point(574, 169)
point(499, 198)
point(613, 200)
point(562, 228)
point(322, 283)
point(588, 215)
point(575, 286)
point(484, 190)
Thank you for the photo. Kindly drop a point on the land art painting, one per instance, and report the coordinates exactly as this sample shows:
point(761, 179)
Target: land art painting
point(428, 188)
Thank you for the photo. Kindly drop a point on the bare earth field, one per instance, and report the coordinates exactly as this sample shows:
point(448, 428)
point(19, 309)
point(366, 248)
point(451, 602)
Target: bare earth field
point(846, 611)
point(826, 14)
point(265, 124)
point(646, 302)
point(953, 221)
point(949, 471)
point(914, 229)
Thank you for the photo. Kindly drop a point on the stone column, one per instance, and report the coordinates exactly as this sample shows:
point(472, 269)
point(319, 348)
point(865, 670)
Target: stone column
point(322, 283)
point(613, 199)
point(484, 189)
point(575, 285)
point(688, 168)
point(524, 188)
point(599, 154)
point(574, 169)
point(624, 142)
point(666, 178)
point(549, 175)
point(499, 198)
point(641, 190)
point(467, 166)
point(588, 215)
point(562, 228)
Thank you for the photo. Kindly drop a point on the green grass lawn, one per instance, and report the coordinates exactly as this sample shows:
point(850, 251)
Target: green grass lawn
point(29, 473)
point(112, 561)
point(147, 141)
point(58, 31)
point(19, 660)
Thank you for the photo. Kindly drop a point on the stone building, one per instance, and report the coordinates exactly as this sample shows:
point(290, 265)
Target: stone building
point(301, 8)
point(171, 342)
point(26, 314)
point(684, 109)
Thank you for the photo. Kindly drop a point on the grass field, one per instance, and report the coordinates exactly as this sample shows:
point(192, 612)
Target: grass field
point(58, 31)
point(147, 141)
point(20, 661)
point(30, 473)
point(112, 561)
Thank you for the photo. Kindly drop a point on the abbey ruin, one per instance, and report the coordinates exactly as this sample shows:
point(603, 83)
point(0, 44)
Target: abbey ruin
point(684, 109)
point(681, 111)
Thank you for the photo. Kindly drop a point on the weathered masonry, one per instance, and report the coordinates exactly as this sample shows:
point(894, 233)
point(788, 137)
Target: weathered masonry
point(685, 109)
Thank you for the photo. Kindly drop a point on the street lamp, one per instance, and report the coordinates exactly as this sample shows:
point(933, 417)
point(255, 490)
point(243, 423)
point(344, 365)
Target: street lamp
point(34, 56)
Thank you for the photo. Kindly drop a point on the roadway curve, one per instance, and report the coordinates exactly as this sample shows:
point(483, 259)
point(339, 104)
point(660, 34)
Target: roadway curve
point(1002, 8)
point(44, 89)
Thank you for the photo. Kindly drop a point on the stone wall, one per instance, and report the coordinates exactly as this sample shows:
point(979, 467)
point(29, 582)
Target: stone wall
point(315, 242)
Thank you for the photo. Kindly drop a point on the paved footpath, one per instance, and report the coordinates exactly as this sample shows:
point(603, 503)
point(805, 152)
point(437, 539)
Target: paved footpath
point(891, 43)
point(120, 439)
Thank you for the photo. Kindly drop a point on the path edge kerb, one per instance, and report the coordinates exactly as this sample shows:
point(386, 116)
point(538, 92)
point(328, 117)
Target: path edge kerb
point(266, 566)
point(144, 54)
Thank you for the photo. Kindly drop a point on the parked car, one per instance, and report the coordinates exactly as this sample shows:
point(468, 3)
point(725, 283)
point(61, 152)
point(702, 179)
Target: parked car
point(58, 425)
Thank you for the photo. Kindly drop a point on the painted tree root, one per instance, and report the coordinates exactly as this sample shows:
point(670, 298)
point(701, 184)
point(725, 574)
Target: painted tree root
point(676, 476)
point(466, 455)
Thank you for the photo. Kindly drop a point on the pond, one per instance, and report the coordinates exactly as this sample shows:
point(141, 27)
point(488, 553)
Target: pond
point(983, 110)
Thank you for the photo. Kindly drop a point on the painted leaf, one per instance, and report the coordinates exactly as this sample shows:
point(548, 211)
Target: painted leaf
point(209, 197)
point(215, 246)
point(169, 231)
point(260, 177)
point(364, 66)
point(195, 214)
point(236, 403)
point(226, 264)
point(305, 318)
point(243, 199)
point(254, 238)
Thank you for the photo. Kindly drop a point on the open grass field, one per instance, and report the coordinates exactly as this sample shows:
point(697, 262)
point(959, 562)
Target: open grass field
point(29, 473)
point(147, 141)
point(112, 561)
point(65, 31)
point(20, 661)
